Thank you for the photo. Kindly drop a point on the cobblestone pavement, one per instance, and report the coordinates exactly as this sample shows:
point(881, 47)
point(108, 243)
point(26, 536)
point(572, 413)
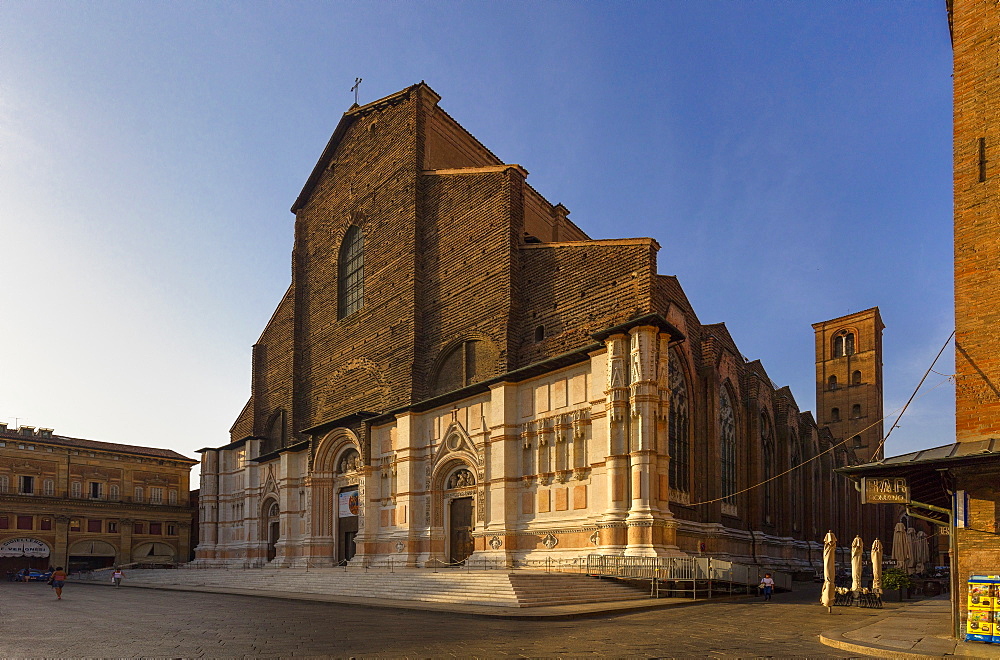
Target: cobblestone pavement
point(99, 621)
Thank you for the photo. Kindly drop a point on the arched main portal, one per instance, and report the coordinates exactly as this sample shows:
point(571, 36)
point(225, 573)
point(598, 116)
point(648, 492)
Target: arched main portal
point(338, 493)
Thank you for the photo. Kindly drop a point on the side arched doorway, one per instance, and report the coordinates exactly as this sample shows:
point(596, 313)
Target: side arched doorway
point(461, 515)
point(272, 525)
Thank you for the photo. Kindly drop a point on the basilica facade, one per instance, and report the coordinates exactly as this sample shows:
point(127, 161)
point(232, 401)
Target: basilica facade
point(457, 370)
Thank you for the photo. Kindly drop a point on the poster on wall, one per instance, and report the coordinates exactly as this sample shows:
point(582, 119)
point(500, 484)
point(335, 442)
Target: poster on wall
point(348, 503)
point(23, 547)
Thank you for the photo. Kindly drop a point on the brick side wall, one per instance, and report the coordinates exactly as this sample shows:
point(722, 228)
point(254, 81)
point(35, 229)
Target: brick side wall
point(979, 544)
point(976, 40)
point(272, 370)
point(573, 291)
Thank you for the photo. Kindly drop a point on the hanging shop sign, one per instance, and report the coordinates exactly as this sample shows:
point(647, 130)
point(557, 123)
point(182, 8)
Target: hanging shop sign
point(23, 547)
point(885, 490)
point(348, 504)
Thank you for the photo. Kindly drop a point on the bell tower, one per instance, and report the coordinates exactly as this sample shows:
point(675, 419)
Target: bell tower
point(849, 381)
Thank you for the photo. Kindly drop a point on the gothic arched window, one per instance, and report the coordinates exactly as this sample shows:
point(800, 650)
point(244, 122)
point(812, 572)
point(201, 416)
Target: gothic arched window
point(856, 378)
point(351, 273)
point(679, 445)
point(767, 441)
point(727, 447)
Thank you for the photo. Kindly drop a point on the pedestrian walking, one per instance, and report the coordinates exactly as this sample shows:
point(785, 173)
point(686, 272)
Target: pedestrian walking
point(58, 580)
point(767, 584)
point(117, 576)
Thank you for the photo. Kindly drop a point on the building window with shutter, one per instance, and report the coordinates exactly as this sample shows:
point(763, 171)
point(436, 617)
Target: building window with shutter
point(172, 496)
point(138, 494)
point(49, 487)
point(155, 495)
point(96, 490)
point(76, 489)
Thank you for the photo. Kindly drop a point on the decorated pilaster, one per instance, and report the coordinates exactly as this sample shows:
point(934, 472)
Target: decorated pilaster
point(661, 480)
point(612, 534)
point(208, 501)
point(504, 454)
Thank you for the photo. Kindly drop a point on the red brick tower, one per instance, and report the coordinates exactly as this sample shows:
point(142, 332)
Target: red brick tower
point(976, 43)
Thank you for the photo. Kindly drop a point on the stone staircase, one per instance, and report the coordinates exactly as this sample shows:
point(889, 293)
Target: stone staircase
point(496, 588)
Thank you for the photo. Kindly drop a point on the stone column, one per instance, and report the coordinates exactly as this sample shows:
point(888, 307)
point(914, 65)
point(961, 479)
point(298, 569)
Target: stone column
point(60, 549)
point(611, 526)
point(125, 542)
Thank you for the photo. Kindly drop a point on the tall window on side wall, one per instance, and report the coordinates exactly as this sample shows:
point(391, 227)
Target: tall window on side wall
point(797, 490)
point(679, 446)
point(843, 344)
point(351, 273)
point(727, 447)
point(767, 440)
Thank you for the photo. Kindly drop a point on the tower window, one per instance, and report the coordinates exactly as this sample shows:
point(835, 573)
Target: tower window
point(351, 273)
point(843, 344)
point(832, 382)
point(856, 410)
point(856, 378)
point(835, 415)
point(856, 440)
point(982, 159)
point(540, 333)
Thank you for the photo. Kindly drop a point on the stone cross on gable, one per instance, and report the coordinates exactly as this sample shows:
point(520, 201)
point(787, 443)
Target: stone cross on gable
point(357, 85)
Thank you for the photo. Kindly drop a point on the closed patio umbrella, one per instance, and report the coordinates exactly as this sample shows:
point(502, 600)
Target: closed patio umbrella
point(923, 552)
point(829, 571)
point(877, 566)
point(900, 546)
point(857, 550)
point(911, 540)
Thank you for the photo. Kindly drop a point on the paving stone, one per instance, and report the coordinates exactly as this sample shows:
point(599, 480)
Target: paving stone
point(98, 621)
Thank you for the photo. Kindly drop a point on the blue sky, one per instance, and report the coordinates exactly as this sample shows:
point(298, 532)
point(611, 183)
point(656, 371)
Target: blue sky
point(793, 160)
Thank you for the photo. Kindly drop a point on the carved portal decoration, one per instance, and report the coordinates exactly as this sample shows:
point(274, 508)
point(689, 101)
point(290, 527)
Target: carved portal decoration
point(350, 461)
point(550, 541)
point(461, 478)
point(495, 542)
point(400, 546)
point(595, 538)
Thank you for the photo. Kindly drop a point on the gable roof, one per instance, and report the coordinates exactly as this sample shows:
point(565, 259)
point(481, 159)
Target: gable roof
point(345, 123)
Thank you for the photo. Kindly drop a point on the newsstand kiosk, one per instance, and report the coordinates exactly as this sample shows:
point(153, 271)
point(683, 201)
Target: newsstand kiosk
point(984, 609)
